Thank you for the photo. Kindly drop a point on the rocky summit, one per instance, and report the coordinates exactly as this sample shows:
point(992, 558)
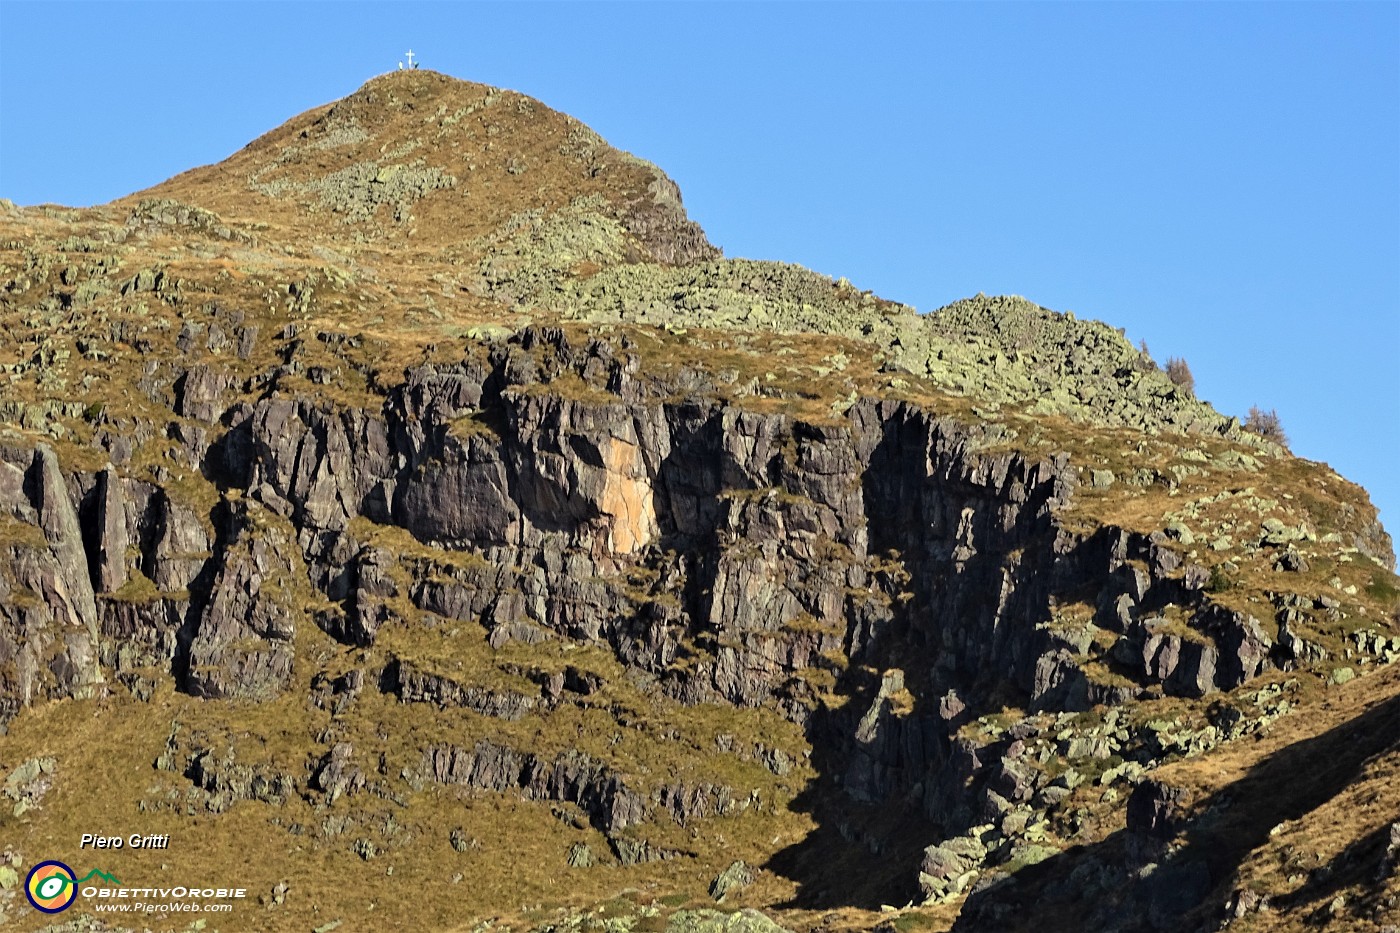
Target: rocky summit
point(419, 524)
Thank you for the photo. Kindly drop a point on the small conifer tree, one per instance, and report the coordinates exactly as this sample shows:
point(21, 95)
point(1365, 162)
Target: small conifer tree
point(1266, 424)
point(1179, 373)
point(1144, 362)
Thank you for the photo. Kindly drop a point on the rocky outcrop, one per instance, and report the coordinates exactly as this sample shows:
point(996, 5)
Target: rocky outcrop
point(224, 780)
point(222, 773)
point(141, 633)
point(324, 461)
point(688, 802)
point(336, 775)
point(108, 551)
point(714, 921)
point(553, 492)
point(657, 218)
point(1154, 809)
point(48, 612)
point(181, 545)
point(572, 777)
point(241, 640)
point(414, 685)
point(367, 585)
point(26, 786)
point(734, 878)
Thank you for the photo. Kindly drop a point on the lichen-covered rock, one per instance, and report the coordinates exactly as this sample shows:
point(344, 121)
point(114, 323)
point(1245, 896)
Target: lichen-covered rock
point(152, 214)
point(714, 921)
point(27, 784)
point(225, 780)
point(336, 775)
point(580, 856)
point(734, 878)
point(949, 868)
point(356, 192)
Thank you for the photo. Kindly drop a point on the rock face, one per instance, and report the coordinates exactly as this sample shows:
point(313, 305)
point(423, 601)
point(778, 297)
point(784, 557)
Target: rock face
point(573, 777)
point(48, 613)
point(782, 550)
point(1153, 809)
point(967, 579)
point(784, 553)
point(241, 642)
point(416, 686)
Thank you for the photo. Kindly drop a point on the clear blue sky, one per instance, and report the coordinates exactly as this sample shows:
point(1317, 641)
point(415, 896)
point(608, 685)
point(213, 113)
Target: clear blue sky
point(1222, 180)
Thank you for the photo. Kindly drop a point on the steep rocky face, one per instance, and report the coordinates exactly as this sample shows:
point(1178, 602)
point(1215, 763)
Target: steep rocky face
point(728, 556)
point(50, 648)
point(710, 560)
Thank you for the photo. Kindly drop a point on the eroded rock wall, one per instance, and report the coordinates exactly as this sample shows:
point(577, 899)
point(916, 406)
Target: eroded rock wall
point(885, 578)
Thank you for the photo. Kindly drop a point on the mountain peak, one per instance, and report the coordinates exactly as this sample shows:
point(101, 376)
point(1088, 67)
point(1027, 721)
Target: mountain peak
point(418, 475)
point(422, 157)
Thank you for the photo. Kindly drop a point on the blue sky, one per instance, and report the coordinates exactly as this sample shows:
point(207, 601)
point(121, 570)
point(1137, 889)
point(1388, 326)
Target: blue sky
point(1221, 180)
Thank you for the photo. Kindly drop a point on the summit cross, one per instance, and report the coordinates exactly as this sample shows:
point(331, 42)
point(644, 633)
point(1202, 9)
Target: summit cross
point(410, 58)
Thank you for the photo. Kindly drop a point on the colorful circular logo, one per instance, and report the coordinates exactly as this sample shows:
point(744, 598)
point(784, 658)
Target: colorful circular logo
point(51, 887)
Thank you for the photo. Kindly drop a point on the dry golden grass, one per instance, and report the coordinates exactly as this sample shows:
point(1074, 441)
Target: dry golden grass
point(105, 772)
point(1312, 800)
